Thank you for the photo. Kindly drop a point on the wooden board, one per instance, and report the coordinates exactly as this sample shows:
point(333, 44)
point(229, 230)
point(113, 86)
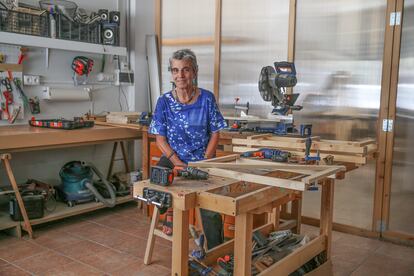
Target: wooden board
point(233, 167)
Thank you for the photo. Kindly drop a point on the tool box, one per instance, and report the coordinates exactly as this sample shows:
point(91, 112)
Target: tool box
point(34, 205)
point(77, 122)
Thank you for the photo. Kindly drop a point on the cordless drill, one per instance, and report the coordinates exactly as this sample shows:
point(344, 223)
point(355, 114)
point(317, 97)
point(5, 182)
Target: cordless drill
point(272, 154)
point(164, 176)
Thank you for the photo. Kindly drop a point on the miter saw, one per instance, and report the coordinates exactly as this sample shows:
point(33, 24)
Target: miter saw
point(273, 84)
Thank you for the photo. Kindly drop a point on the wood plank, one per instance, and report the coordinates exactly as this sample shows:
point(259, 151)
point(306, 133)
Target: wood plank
point(243, 244)
point(245, 163)
point(124, 157)
point(158, 29)
point(327, 201)
point(151, 236)
point(382, 136)
point(322, 174)
point(259, 198)
point(337, 157)
point(217, 49)
point(6, 162)
point(130, 126)
point(27, 138)
point(180, 242)
point(297, 214)
point(323, 270)
point(297, 258)
point(145, 155)
point(219, 203)
point(392, 113)
point(63, 211)
point(225, 158)
point(228, 247)
point(266, 180)
point(259, 136)
point(343, 228)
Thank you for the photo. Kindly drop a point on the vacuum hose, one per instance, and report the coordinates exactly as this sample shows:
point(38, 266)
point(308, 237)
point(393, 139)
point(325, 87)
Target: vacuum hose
point(110, 202)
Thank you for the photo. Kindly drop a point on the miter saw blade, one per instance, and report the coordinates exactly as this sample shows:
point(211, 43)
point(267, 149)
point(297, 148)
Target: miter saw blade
point(264, 84)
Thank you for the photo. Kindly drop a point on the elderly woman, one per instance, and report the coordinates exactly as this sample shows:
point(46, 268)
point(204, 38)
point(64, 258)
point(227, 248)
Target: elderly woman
point(187, 121)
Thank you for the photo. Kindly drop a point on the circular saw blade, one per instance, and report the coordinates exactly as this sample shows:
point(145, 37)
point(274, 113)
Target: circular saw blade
point(266, 91)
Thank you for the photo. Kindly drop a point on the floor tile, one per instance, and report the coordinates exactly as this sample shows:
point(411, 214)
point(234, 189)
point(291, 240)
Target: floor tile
point(81, 249)
point(132, 246)
point(20, 250)
point(359, 242)
point(349, 253)
point(54, 239)
point(381, 265)
point(396, 251)
point(9, 270)
point(43, 262)
point(74, 269)
point(109, 260)
point(3, 262)
point(343, 268)
point(139, 269)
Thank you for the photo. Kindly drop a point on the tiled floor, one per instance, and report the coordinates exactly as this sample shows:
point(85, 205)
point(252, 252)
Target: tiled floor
point(112, 242)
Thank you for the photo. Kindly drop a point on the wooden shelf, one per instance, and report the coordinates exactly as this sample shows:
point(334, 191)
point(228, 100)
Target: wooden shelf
point(6, 222)
point(60, 44)
point(63, 210)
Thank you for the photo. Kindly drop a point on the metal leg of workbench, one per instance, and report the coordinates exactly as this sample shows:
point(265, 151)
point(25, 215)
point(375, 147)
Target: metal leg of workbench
point(180, 243)
point(327, 200)
point(243, 244)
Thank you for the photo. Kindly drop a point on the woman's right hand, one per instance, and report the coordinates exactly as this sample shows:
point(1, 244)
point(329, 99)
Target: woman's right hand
point(177, 161)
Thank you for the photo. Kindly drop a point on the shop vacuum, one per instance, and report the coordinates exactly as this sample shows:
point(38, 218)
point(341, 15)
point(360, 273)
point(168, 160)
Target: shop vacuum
point(77, 184)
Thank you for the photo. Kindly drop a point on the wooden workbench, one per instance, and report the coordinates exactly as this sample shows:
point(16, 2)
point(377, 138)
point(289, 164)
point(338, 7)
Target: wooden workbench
point(26, 138)
point(18, 138)
point(242, 200)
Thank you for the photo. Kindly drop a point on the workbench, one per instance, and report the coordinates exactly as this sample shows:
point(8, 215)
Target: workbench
point(21, 138)
point(242, 199)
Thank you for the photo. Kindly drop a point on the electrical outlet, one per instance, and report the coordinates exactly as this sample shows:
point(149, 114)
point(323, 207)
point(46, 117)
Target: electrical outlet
point(105, 77)
point(31, 80)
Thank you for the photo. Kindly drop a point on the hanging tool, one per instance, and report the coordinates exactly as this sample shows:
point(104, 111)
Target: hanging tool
point(266, 153)
point(8, 96)
point(34, 105)
point(199, 253)
point(18, 83)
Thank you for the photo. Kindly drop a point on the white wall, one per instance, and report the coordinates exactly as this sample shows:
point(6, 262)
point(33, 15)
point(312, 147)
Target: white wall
point(45, 165)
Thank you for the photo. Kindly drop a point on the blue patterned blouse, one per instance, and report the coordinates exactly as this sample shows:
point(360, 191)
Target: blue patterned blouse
point(187, 127)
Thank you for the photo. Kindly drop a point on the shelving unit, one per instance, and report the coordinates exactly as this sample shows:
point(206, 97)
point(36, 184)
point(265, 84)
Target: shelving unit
point(60, 44)
point(63, 211)
point(25, 138)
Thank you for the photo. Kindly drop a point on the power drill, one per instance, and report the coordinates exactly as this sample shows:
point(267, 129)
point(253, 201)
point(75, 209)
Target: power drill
point(272, 154)
point(164, 176)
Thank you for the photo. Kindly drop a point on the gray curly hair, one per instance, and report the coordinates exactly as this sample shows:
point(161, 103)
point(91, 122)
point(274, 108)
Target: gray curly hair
point(185, 54)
